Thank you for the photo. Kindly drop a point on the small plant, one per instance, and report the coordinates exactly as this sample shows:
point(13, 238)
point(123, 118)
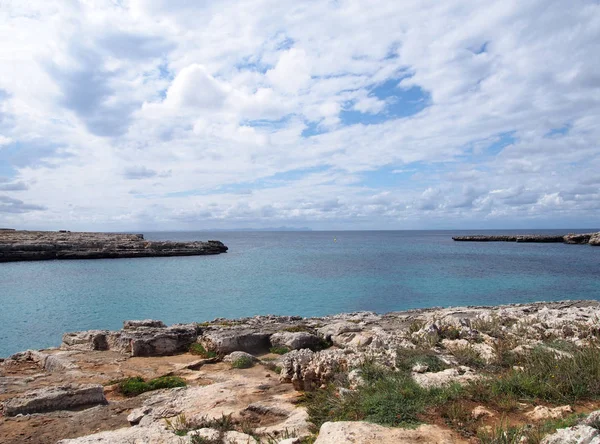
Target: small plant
point(180, 425)
point(198, 349)
point(243, 362)
point(279, 350)
point(468, 356)
point(136, 385)
point(449, 332)
point(415, 326)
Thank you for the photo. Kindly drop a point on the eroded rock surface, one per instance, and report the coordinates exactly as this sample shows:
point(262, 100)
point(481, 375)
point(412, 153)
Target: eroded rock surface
point(55, 398)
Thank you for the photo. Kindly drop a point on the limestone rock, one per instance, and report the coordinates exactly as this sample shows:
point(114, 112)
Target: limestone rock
point(351, 432)
point(307, 370)
point(227, 340)
point(480, 412)
point(55, 398)
point(234, 356)
point(86, 340)
point(595, 239)
point(592, 420)
point(337, 329)
point(294, 340)
point(542, 412)
point(460, 375)
point(136, 415)
point(131, 435)
point(580, 434)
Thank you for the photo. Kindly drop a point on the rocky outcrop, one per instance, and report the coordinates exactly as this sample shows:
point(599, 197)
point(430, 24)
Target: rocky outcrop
point(55, 398)
point(137, 338)
point(47, 245)
point(571, 238)
point(295, 340)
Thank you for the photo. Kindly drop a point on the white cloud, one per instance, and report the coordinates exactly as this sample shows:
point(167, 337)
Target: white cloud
point(210, 105)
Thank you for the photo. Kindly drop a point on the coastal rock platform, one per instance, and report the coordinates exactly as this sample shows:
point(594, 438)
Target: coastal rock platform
point(47, 245)
point(252, 379)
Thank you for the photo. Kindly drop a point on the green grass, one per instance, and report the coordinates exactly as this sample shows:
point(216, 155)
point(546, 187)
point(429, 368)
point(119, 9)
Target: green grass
point(243, 362)
point(280, 350)
point(136, 385)
point(545, 376)
point(407, 358)
point(468, 356)
point(198, 349)
point(386, 397)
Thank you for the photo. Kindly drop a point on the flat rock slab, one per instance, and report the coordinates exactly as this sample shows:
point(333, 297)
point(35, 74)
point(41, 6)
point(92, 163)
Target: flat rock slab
point(355, 432)
point(55, 398)
point(47, 245)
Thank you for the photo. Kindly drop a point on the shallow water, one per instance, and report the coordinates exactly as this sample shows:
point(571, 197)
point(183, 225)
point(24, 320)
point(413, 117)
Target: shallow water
point(302, 273)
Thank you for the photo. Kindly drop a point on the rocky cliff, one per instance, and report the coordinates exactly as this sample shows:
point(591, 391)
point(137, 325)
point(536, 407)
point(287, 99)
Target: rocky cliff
point(45, 245)
point(585, 238)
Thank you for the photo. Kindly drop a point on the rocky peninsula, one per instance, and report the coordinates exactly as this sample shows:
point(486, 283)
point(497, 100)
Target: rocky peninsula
point(571, 238)
point(16, 245)
point(439, 375)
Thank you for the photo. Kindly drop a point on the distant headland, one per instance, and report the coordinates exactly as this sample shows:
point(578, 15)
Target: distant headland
point(585, 238)
point(16, 245)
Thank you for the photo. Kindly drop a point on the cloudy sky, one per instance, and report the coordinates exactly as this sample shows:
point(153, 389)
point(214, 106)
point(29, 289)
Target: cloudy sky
point(347, 114)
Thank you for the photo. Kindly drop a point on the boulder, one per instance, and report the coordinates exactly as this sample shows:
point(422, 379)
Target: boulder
point(234, 356)
point(595, 239)
point(580, 434)
point(227, 340)
point(354, 432)
point(295, 340)
point(55, 398)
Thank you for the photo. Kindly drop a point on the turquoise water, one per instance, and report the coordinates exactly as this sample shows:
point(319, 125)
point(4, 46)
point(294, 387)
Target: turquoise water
point(302, 273)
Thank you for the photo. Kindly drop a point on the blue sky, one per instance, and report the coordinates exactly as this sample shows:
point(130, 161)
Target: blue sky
point(156, 114)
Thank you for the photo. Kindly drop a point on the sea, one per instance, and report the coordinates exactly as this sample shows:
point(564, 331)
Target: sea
point(306, 273)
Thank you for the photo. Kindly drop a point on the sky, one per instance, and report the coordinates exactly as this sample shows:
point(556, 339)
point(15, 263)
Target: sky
point(123, 115)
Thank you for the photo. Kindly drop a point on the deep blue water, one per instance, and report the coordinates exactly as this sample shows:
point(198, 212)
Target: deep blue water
point(302, 273)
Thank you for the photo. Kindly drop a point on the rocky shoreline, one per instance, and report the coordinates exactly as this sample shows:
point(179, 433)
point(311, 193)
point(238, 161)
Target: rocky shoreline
point(16, 245)
point(242, 380)
point(585, 238)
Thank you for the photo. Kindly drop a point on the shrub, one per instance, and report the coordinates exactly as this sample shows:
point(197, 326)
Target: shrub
point(136, 385)
point(243, 362)
point(198, 349)
point(280, 350)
